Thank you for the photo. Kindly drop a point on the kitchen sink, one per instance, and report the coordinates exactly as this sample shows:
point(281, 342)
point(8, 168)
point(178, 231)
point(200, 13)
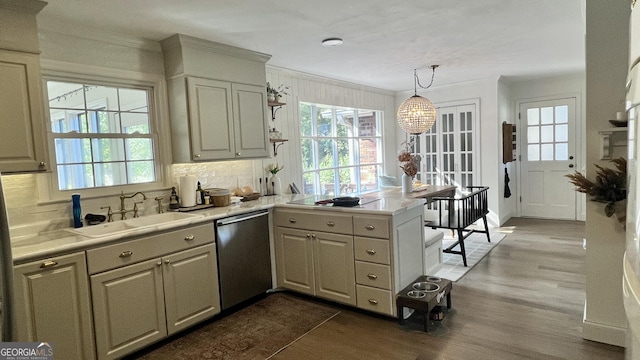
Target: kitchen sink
point(156, 221)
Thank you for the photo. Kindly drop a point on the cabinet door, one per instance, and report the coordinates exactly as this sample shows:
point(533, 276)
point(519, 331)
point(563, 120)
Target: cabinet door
point(22, 121)
point(128, 308)
point(251, 126)
point(210, 119)
point(191, 287)
point(294, 260)
point(52, 304)
point(334, 267)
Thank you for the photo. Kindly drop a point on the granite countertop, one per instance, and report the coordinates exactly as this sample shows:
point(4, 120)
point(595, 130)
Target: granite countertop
point(49, 243)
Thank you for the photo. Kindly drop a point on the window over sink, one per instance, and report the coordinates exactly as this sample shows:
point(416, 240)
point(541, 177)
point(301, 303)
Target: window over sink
point(103, 135)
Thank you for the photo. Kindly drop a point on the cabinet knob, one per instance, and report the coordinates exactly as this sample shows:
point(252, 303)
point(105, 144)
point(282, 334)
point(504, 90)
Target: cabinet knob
point(371, 251)
point(370, 227)
point(125, 254)
point(159, 263)
point(167, 261)
point(313, 236)
point(42, 164)
point(373, 301)
point(308, 236)
point(197, 156)
point(331, 223)
point(238, 154)
point(48, 264)
point(189, 237)
point(293, 220)
point(372, 276)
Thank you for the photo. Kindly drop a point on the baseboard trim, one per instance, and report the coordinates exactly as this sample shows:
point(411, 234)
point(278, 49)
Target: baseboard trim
point(603, 333)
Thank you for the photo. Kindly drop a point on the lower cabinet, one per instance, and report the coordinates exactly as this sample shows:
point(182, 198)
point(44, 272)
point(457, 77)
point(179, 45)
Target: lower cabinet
point(139, 304)
point(316, 263)
point(52, 304)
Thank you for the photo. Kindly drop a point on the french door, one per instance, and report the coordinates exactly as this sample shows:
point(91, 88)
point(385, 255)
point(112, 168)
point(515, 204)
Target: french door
point(447, 149)
point(547, 155)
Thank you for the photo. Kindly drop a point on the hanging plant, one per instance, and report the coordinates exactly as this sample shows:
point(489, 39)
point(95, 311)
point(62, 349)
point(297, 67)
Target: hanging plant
point(609, 187)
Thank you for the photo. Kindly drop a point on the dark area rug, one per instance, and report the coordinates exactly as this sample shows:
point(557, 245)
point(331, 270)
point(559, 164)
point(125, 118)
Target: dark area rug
point(255, 332)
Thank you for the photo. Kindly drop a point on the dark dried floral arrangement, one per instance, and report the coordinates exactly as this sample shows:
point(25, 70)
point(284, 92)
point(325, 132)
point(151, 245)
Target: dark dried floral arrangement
point(610, 184)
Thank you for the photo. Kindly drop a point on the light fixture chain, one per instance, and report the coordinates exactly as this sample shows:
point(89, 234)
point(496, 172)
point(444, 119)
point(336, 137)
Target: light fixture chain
point(417, 79)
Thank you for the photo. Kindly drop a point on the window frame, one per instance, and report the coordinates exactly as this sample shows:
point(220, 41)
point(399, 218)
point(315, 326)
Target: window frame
point(334, 136)
point(48, 183)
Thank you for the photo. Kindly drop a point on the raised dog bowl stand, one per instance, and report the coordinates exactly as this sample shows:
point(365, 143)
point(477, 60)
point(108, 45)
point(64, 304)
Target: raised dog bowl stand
point(423, 301)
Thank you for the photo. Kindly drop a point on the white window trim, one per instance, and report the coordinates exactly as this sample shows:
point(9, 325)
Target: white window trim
point(48, 191)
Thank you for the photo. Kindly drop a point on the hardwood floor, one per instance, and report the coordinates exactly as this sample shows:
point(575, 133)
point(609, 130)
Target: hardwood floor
point(524, 300)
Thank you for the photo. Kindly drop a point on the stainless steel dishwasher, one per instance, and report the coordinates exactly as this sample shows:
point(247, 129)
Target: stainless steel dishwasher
point(244, 260)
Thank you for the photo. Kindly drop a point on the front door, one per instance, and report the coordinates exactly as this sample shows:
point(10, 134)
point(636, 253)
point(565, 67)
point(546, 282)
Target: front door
point(547, 155)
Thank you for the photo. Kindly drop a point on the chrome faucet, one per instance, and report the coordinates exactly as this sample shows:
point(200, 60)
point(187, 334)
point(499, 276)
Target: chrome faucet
point(123, 211)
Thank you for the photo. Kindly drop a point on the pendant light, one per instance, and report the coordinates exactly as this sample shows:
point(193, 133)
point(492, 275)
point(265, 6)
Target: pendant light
point(417, 114)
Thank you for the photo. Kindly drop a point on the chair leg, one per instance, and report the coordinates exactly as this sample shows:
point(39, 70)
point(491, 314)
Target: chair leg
point(462, 250)
point(486, 228)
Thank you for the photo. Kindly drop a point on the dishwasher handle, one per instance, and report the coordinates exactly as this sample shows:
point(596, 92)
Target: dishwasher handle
point(237, 219)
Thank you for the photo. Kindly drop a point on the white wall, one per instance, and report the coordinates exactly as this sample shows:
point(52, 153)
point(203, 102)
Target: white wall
point(507, 206)
point(607, 41)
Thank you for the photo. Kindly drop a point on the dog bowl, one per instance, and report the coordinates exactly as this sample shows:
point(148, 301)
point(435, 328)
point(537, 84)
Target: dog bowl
point(426, 286)
point(416, 294)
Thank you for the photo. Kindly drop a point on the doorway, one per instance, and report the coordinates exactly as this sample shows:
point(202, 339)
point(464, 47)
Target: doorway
point(547, 154)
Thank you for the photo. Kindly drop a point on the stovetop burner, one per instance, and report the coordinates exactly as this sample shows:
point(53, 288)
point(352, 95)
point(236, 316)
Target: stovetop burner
point(312, 199)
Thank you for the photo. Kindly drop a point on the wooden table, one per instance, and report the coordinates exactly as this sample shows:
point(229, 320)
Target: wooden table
point(427, 302)
point(428, 193)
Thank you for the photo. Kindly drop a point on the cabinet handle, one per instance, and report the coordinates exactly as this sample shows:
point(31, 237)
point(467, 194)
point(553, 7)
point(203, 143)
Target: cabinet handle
point(371, 251)
point(372, 276)
point(373, 301)
point(42, 164)
point(308, 236)
point(293, 220)
point(48, 264)
point(167, 261)
point(125, 254)
point(331, 223)
point(159, 263)
point(370, 227)
point(197, 156)
point(189, 237)
point(313, 236)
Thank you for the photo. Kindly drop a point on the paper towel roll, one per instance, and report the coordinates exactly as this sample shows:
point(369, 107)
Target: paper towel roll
point(187, 191)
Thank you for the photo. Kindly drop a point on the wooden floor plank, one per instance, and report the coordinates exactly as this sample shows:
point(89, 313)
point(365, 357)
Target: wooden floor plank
point(524, 300)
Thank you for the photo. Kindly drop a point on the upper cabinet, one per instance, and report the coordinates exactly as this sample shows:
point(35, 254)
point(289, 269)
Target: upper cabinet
point(22, 121)
point(217, 100)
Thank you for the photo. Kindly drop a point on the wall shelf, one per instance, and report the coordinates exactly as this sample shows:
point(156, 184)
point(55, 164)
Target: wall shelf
point(276, 144)
point(607, 143)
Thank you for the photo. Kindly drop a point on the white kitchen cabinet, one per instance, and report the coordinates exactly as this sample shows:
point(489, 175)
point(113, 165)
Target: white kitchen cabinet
point(226, 121)
point(22, 121)
point(148, 288)
point(217, 100)
point(314, 262)
point(52, 304)
point(333, 254)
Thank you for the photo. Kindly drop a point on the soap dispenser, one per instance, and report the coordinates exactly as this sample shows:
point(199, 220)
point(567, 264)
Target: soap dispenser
point(77, 211)
point(174, 200)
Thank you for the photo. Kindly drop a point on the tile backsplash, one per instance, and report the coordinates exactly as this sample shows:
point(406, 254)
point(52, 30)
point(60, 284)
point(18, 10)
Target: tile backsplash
point(25, 212)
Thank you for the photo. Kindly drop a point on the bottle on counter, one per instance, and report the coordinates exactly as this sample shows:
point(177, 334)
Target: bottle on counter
point(77, 211)
point(174, 200)
point(199, 195)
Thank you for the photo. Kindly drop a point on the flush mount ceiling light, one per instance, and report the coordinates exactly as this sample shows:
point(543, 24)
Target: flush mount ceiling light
point(417, 114)
point(332, 42)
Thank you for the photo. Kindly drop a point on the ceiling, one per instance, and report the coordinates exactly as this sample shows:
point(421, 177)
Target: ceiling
point(383, 40)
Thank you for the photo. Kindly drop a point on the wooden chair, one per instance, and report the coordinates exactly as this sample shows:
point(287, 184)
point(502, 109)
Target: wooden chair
point(459, 213)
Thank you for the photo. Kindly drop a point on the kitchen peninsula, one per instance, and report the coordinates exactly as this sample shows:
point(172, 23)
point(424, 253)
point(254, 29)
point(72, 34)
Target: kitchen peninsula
point(360, 256)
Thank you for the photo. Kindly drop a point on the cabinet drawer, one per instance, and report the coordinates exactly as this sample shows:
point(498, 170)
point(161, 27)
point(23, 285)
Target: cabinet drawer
point(372, 250)
point(317, 221)
point(371, 226)
point(140, 249)
point(373, 299)
point(375, 275)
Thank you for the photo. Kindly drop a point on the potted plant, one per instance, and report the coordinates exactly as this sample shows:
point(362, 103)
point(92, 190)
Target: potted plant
point(274, 94)
point(609, 187)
